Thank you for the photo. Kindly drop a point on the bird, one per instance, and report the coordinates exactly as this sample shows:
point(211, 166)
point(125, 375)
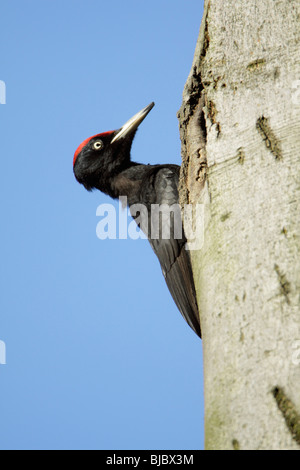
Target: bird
point(103, 162)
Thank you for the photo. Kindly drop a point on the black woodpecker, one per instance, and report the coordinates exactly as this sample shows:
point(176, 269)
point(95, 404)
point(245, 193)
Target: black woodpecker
point(103, 162)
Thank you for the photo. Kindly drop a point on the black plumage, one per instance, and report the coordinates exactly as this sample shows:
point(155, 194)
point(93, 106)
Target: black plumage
point(103, 162)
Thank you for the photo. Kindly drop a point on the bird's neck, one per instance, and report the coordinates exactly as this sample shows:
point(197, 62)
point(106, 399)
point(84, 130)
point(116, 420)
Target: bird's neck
point(125, 182)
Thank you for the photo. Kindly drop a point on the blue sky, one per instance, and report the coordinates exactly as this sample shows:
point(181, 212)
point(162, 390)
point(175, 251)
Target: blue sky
point(98, 356)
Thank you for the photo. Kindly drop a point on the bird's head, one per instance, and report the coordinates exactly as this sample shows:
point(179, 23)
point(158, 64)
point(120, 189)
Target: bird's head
point(102, 156)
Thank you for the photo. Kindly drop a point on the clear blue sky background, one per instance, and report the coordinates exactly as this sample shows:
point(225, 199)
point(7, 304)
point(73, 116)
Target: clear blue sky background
point(98, 356)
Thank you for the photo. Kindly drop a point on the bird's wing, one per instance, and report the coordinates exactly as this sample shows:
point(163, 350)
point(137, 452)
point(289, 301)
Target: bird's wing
point(162, 189)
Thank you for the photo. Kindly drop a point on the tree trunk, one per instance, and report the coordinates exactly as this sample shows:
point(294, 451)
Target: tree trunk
point(240, 133)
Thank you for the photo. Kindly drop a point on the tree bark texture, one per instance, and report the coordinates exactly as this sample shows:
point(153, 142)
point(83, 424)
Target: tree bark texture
point(240, 132)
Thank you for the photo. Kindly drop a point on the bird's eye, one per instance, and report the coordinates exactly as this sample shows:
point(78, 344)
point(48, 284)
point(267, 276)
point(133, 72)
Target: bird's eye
point(98, 145)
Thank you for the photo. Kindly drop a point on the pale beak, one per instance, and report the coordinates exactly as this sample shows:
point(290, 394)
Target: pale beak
point(133, 123)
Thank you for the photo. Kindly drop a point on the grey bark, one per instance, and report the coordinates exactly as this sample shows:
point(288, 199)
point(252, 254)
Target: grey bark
point(240, 133)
